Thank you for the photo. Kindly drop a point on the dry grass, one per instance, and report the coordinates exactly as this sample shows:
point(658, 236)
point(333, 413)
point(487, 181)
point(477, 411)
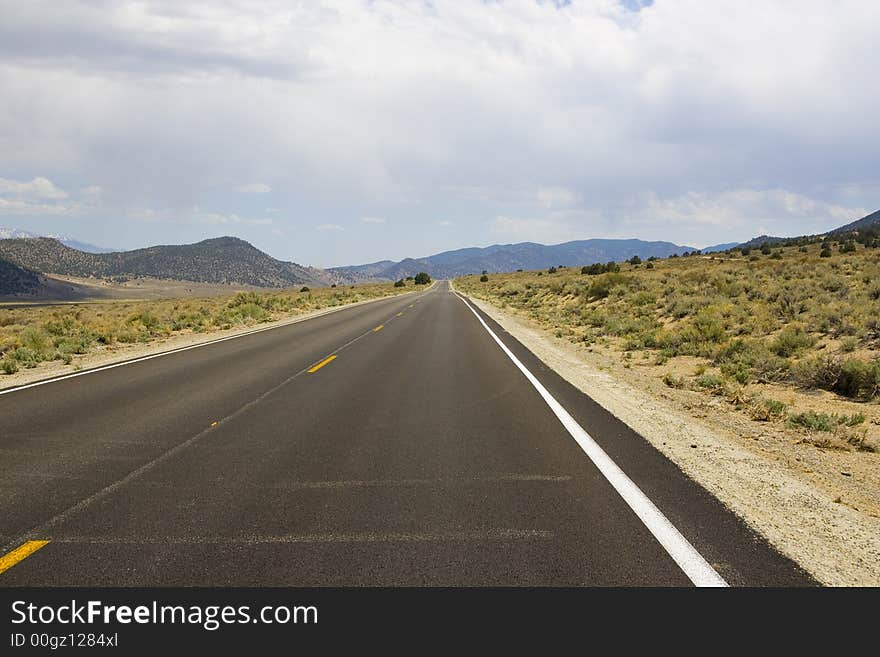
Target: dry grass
point(786, 322)
point(32, 335)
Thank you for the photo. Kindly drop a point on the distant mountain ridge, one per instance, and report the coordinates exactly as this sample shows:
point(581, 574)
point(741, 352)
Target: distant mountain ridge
point(15, 233)
point(224, 260)
point(509, 257)
point(529, 255)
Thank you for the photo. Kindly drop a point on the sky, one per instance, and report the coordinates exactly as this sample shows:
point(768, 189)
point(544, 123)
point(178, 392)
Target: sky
point(345, 132)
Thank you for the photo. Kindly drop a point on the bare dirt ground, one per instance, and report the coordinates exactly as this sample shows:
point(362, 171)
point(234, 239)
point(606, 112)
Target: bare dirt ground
point(821, 507)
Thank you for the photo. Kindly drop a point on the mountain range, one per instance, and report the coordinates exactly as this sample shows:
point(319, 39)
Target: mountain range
point(509, 257)
point(232, 261)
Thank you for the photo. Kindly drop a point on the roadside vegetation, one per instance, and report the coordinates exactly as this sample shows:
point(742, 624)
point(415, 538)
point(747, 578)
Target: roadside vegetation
point(749, 326)
point(33, 335)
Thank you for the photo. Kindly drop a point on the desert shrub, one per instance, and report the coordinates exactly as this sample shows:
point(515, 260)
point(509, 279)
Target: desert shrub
point(709, 381)
point(9, 366)
point(643, 298)
point(247, 311)
point(812, 420)
point(790, 341)
point(824, 421)
point(146, 319)
point(849, 344)
point(599, 268)
point(422, 278)
point(680, 304)
point(400, 283)
point(859, 379)
point(243, 298)
point(706, 327)
point(601, 287)
point(484, 279)
point(746, 360)
point(35, 339)
point(698, 338)
point(854, 377)
point(775, 407)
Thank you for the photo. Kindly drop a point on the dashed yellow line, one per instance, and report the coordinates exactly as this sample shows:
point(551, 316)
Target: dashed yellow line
point(400, 314)
point(378, 328)
point(20, 553)
point(314, 368)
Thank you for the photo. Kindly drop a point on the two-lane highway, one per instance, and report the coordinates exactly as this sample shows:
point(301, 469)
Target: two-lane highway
point(392, 443)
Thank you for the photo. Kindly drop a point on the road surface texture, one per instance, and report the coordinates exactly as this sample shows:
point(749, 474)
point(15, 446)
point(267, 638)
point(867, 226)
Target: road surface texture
point(393, 443)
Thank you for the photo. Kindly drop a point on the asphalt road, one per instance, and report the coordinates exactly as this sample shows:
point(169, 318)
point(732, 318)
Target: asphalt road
point(420, 455)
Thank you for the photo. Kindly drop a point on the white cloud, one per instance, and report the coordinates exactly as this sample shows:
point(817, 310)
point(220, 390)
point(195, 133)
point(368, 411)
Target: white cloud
point(738, 208)
point(41, 197)
point(554, 197)
point(544, 230)
point(194, 215)
point(38, 188)
point(29, 208)
point(373, 220)
point(516, 109)
point(254, 188)
point(93, 192)
point(329, 227)
point(445, 223)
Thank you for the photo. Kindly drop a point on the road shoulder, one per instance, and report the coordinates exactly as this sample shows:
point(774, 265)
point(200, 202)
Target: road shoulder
point(835, 543)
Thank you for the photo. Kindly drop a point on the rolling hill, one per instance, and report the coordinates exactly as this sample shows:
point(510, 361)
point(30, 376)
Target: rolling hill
point(871, 221)
point(15, 280)
point(223, 260)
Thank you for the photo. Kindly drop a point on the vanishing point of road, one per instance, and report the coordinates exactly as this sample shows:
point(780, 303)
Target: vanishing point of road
point(404, 442)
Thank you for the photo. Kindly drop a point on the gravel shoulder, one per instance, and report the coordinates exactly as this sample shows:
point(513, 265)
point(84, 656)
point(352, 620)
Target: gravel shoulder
point(818, 507)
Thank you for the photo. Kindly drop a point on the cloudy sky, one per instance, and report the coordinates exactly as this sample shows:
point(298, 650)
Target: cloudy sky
point(341, 132)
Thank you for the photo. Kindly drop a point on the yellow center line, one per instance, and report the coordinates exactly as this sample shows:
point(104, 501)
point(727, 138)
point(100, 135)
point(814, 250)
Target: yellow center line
point(314, 368)
point(399, 314)
point(19, 554)
point(378, 328)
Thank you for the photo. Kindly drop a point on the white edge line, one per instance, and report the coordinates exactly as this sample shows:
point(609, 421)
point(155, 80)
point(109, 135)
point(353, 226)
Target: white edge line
point(176, 350)
point(679, 548)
